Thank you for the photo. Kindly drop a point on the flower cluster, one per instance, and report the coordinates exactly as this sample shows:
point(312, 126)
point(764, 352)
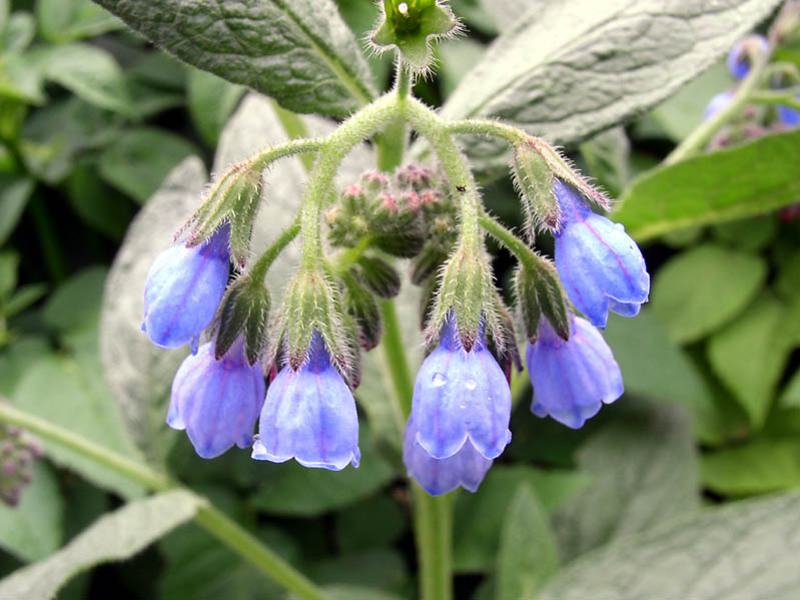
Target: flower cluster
point(461, 407)
point(17, 453)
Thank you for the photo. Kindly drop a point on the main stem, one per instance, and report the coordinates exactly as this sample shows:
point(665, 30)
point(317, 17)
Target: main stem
point(227, 531)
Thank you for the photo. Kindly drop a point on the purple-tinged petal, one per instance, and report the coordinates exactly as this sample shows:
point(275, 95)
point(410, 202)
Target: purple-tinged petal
point(216, 401)
point(309, 415)
point(460, 396)
point(738, 60)
point(789, 117)
point(183, 290)
point(466, 468)
point(717, 103)
point(573, 379)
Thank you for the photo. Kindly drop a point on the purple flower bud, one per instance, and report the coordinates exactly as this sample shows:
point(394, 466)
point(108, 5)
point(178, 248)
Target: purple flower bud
point(217, 401)
point(572, 379)
point(717, 103)
point(789, 117)
point(466, 468)
point(184, 288)
point(309, 415)
point(461, 397)
point(739, 58)
point(599, 264)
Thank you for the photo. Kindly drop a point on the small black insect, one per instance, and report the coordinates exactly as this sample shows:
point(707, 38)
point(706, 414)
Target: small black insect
point(461, 188)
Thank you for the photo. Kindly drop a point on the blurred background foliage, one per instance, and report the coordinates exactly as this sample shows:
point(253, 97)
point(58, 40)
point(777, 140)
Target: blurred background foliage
point(93, 119)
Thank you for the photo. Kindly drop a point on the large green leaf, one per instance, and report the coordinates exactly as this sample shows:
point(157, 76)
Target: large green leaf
point(745, 550)
point(569, 69)
point(67, 20)
point(643, 469)
point(725, 185)
point(115, 536)
point(528, 555)
point(701, 289)
point(479, 517)
point(211, 100)
point(754, 468)
point(749, 356)
point(138, 161)
point(34, 529)
point(90, 73)
point(298, 51)
point(655, 367)
point(14, 195)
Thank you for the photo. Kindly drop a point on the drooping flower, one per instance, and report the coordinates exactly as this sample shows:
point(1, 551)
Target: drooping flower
point(437, 476)
point(572, 379)
point(460, 415)
point(183, 290)
point(739, 58)
point(309, 415)
point(599, 264)
point(217, 401)
point(717, 103)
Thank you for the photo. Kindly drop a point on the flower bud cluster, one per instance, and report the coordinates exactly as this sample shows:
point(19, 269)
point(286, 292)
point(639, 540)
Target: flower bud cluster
point(17, 453)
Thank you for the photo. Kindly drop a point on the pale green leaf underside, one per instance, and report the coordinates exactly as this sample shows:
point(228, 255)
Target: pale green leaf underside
point(741, 551)
point(115, 536)
point(298, 51)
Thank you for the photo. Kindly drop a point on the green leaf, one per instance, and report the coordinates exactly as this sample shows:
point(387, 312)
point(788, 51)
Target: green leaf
point(293, 490)
point(352, 592)
point(211, 100)
point(607, 155)
point(729, 184)
point(97, 204)
point(21, 77)
point(14, 195)
point(528, 555)
point(9, 263)
point(253, 44)
point(478, 518)
point(382, 568)
point(19, 33)
point(68, 20)
point(754, 468)
point(748, 234)
point(139, 160)
point(567, 70)
point(16, 358)
point(791, 395)
point(75, 305)
point(508, 13)
point(698, 291)
point(742, 550)
point(376, 521)
point(643, 469)
point(34, 529)
point(750, 355)
point(71, 393)
point(90, 73)
point(116, 536)
point(683, 111)
point(139, 374)
point(655, 367)
point(457, 57)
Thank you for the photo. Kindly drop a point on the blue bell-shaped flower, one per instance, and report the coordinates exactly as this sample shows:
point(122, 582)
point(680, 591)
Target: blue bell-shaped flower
point(460, 413)
point(217, 401)
point(599, 264)
point(309, 415)
point(572, 379)
point(183, 290)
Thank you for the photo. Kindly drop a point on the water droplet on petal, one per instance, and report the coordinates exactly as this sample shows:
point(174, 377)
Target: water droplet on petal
point(471, 384)
point(439, 380)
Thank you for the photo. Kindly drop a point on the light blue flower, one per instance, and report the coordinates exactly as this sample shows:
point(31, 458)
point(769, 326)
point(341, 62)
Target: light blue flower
point(466, 468)
point(717, 103)
point(572, 379)
point(460, 398)
point(599, 264)
point(790, 117)
point(309, 415)
point(217, 401)
point(183, 290)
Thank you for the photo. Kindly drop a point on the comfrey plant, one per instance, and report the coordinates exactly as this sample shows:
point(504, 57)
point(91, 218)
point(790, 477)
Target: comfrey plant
point(458, 415)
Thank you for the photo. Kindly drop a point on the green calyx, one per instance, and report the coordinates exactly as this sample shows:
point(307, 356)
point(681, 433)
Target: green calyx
point(244, 311)
point(234, 197)
point(410, 26)
point(539, 294)
point(534, 180)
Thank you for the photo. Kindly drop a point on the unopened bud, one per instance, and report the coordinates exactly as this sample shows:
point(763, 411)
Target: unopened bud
point(379, 276)
point(539, 293)
point(534, 180)
point(361, 305)
point(244, 311)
